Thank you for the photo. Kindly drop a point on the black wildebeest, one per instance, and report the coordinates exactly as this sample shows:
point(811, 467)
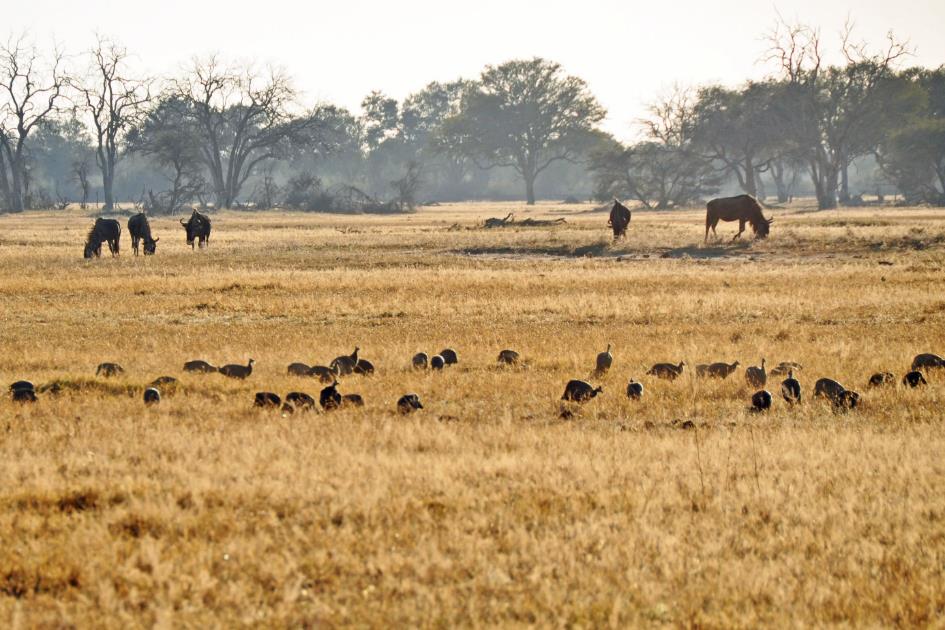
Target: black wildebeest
point(619, 219)
point(140, 230)
point(104, 231)
point(743, 208)
point(198, 229)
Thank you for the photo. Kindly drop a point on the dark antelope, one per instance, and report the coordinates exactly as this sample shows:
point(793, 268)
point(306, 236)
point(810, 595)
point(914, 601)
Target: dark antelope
point(140, 230)
point(103, 231)
point(198, 229)
point(743, 208)
point(619, 219)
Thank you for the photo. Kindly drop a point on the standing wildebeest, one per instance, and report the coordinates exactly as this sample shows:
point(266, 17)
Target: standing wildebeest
point(140, 230)
point(104, 231)
point(198, 229)
point(619, 219)
point(743, 208)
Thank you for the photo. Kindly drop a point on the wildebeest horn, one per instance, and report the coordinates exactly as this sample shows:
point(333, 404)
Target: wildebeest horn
point(182, 222)
point(770, 221)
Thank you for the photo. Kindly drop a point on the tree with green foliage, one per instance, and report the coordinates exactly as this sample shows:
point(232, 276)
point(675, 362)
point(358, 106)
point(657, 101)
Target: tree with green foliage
point(525, 115)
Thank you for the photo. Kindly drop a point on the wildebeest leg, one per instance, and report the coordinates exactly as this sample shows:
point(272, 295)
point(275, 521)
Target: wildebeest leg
point(741, 228)
point(134, 244)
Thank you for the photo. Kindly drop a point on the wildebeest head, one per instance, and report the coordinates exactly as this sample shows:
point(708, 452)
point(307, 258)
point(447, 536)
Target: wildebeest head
point(763, 227)
point(150, 246)
point(197, 228)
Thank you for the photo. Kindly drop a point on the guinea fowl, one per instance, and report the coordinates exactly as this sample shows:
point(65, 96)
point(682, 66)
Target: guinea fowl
point(756, 376)
point(882, 378)
point(791, 389)
point(323, 373)
point(449, 356)
point(420, 361)
point(238, 371)
point(345, 364)
point(836, 393)
point(580, 391)
point(298, 369)
point(927, 360)
point(330, 398)
point(914, 379)
point(667, 371)
point(508, 357)
point(604, 361)
point(152, 396)
point(23, 391)
point(634, 390)
point(437, 362)
point(267, 400)
point(109, 369)
point(200, 366)
point(364, 367)
point(716, 370)
point(784, 367)
point(300, 400)
point(761, 400)
point(408, 403)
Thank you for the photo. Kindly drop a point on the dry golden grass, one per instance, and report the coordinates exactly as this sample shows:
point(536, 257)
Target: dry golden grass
point(485, 508)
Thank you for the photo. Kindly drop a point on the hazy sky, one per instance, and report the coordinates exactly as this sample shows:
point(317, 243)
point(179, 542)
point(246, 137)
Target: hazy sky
point(629, 52)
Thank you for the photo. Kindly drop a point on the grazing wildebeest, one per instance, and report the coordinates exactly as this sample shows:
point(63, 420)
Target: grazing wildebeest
point(198, 229)
point(140, 230)
point(743, 208)
point(619, 219)
point(103, 231)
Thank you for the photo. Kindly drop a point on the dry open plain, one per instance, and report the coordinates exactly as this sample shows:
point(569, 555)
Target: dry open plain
point(486, 508)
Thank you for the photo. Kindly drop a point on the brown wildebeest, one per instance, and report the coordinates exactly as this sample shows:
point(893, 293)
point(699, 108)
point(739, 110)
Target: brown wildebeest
point(619, 219)
point(743, 208)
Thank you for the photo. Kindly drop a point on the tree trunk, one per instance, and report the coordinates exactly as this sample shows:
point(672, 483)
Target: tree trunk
point(777, 174)
point(751, 185)
point(844, 183)
point(530, 189)
point(108, 180)
point(4, 184)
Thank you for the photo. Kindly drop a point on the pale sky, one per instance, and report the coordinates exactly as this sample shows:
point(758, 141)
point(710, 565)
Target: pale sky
point(629, 52)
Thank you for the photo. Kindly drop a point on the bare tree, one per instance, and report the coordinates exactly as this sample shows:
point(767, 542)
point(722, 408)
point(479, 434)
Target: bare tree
point(834, 114)
point(114, 102)
point(80, 174)
point(243, 120)
point(30, 88)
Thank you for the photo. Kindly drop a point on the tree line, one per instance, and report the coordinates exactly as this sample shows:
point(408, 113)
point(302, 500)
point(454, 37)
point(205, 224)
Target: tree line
point(229, 135)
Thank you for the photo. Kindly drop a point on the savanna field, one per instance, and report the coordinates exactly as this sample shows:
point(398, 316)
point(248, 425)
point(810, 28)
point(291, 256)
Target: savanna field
point(486, 508)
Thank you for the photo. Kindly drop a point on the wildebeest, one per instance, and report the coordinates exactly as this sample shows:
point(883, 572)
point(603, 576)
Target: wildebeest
point(140, 230)
point(198, 229)
point(619, 219)
point(103, 231)
point(743, 208)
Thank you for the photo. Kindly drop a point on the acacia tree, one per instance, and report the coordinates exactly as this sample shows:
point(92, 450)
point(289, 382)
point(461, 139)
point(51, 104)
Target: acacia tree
point(833, 114)
point(30, 89)
point(114, 102)
point(168, 136)
point(241, 119)
point(734, 128)
point(525, 115)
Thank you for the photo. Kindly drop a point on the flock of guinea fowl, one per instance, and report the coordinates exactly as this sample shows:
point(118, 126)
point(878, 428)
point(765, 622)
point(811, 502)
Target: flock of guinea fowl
point(576, 390)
